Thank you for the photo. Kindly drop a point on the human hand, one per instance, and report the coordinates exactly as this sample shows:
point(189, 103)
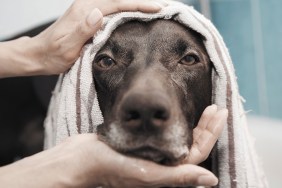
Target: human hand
point(61, 43)
point(206, 134)
point(99, 165)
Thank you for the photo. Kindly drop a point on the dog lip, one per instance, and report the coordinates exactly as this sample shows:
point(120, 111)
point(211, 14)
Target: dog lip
point(155, 155)
point(147, 152)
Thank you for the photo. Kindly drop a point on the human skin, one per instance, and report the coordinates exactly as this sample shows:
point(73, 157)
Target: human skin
point(55, 49)
point(85, 161)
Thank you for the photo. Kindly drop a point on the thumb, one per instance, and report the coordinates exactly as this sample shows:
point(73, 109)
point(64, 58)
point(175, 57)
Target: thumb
point(88, 27)
point(94, 20)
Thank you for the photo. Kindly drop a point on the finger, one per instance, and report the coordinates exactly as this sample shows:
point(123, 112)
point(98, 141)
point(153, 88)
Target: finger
point(140, 5)
point(83, 31)
point(87, 28)
point(209, 112)
point(186, 175)
point(92, 24)
point(203, 145)
point(71, 44)
point(154, 175)
point(207, 115)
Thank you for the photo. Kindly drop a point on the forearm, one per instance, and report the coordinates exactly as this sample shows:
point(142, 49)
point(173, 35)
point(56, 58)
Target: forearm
point(57, 167)
point(20, 57)
point(33, 173)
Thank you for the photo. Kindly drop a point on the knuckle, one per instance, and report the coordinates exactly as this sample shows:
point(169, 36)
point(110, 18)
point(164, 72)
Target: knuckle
point(204, 157)
point(69, 57)
point(82, 28)
point(196, 132)
point(185, 180)
point(206, 113)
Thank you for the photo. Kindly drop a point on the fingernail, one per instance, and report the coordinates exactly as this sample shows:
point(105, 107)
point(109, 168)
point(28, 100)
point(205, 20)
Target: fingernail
point(213, 106)
point(211, 109)
point(207, 180)
point(224, 111)
point(94, 17)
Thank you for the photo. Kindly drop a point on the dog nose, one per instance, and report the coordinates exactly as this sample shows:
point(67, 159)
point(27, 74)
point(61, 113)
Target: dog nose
point(145, 112)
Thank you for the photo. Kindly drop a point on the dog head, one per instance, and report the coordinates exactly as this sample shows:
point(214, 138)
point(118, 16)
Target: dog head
point(153, 81)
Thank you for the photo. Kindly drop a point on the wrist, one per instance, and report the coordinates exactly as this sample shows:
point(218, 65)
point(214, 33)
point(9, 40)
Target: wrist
point(34, 172)
point(30, 51)
point(20, 57)
point(84, 169)
point(74, 164)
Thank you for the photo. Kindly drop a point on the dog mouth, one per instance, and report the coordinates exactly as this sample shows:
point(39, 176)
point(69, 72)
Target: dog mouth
point(155, 155)
point(149, 147)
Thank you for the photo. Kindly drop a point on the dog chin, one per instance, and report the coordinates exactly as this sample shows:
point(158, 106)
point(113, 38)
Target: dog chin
point(150, 148)
point(156, 155)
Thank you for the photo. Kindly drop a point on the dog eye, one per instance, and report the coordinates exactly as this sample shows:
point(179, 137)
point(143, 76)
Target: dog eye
point(189, 60)
point(105, 62)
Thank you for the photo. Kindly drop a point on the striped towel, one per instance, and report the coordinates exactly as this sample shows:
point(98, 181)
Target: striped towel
point(74, 107)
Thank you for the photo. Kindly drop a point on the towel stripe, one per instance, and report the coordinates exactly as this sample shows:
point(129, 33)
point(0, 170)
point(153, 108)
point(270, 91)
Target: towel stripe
point(78, 98)
point(90, 102)
point(229, 105)
point(68, 126)
point(231, 149)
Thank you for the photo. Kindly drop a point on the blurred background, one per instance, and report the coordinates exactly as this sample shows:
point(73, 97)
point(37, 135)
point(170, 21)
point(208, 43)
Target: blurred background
point(252, 30)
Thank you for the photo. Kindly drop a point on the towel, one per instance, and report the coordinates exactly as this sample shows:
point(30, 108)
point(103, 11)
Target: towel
point(74, 107)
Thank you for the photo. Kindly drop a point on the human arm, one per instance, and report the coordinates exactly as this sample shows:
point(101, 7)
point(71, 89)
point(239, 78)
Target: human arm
point(85, 161)
point(55, 49)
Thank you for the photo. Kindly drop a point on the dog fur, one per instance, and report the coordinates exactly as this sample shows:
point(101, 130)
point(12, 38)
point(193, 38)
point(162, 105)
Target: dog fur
point(153, 81)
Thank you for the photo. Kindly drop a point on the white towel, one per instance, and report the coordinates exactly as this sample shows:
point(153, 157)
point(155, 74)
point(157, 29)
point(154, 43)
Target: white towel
point(74, 107)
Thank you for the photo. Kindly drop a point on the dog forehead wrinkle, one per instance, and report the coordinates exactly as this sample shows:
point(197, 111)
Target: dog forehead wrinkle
point(133, 28)
point(171, 46)
point(180, 47)
point(177, 35)
point(153, 37)
point(121, 51)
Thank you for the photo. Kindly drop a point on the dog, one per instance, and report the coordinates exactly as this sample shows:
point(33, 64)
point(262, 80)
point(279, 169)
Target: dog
point(153, 81)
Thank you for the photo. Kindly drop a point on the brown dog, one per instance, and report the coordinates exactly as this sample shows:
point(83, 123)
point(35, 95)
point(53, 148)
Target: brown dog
point(153, 81)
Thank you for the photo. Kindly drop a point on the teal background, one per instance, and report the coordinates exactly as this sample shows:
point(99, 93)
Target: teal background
point(252, 30)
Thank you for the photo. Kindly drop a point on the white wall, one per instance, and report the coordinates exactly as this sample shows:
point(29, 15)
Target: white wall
point(267, 133)
point(19, 15)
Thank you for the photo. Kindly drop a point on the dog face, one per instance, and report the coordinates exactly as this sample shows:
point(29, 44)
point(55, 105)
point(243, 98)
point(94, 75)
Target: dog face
point(153, 81)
